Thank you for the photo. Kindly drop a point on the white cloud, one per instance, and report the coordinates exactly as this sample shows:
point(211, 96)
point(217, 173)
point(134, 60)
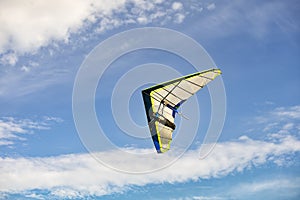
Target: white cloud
point(179, 18)
point(55, 119)
point(79, 175)
point(142, 20)
point(17, 82)
point(211, 6)
point(5, 142)
point(25, 27)
point(207, 198)
point(34, 196)
point(281, 120)
point(31, 65)
point(39, 30)
point(259, 19)
point(12, 129)
point(177, 6)
point(9, 129)
point(269, 103)
point(290, 112)
point(9, 59)
point(25, 68)
point(286, 185)
point(158, 1)
point(288, 126)
point(268, 185)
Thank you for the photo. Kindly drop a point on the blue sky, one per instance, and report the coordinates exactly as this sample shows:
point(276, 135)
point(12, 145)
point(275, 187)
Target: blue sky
point(42, 48)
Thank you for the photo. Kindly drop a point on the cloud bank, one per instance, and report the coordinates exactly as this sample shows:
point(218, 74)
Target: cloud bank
point(75, 176)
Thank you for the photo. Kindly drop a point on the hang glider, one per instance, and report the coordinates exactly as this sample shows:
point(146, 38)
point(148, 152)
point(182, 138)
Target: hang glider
point(163, 100)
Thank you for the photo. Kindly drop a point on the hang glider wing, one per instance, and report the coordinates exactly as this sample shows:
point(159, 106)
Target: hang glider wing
point(162, 101)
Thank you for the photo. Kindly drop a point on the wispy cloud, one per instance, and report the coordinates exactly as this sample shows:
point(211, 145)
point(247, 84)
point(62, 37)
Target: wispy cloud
point(275, 187)
point(12, 129)
point(206, 198)
point(258, 19)
point(287, 112)
point(211, 6)
point(283, 187)
point(24, 80)
point(199, 198)
point(269, 185)
point(281, 121)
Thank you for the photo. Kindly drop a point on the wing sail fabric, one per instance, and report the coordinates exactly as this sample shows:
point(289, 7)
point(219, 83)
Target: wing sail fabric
point(162, 101)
